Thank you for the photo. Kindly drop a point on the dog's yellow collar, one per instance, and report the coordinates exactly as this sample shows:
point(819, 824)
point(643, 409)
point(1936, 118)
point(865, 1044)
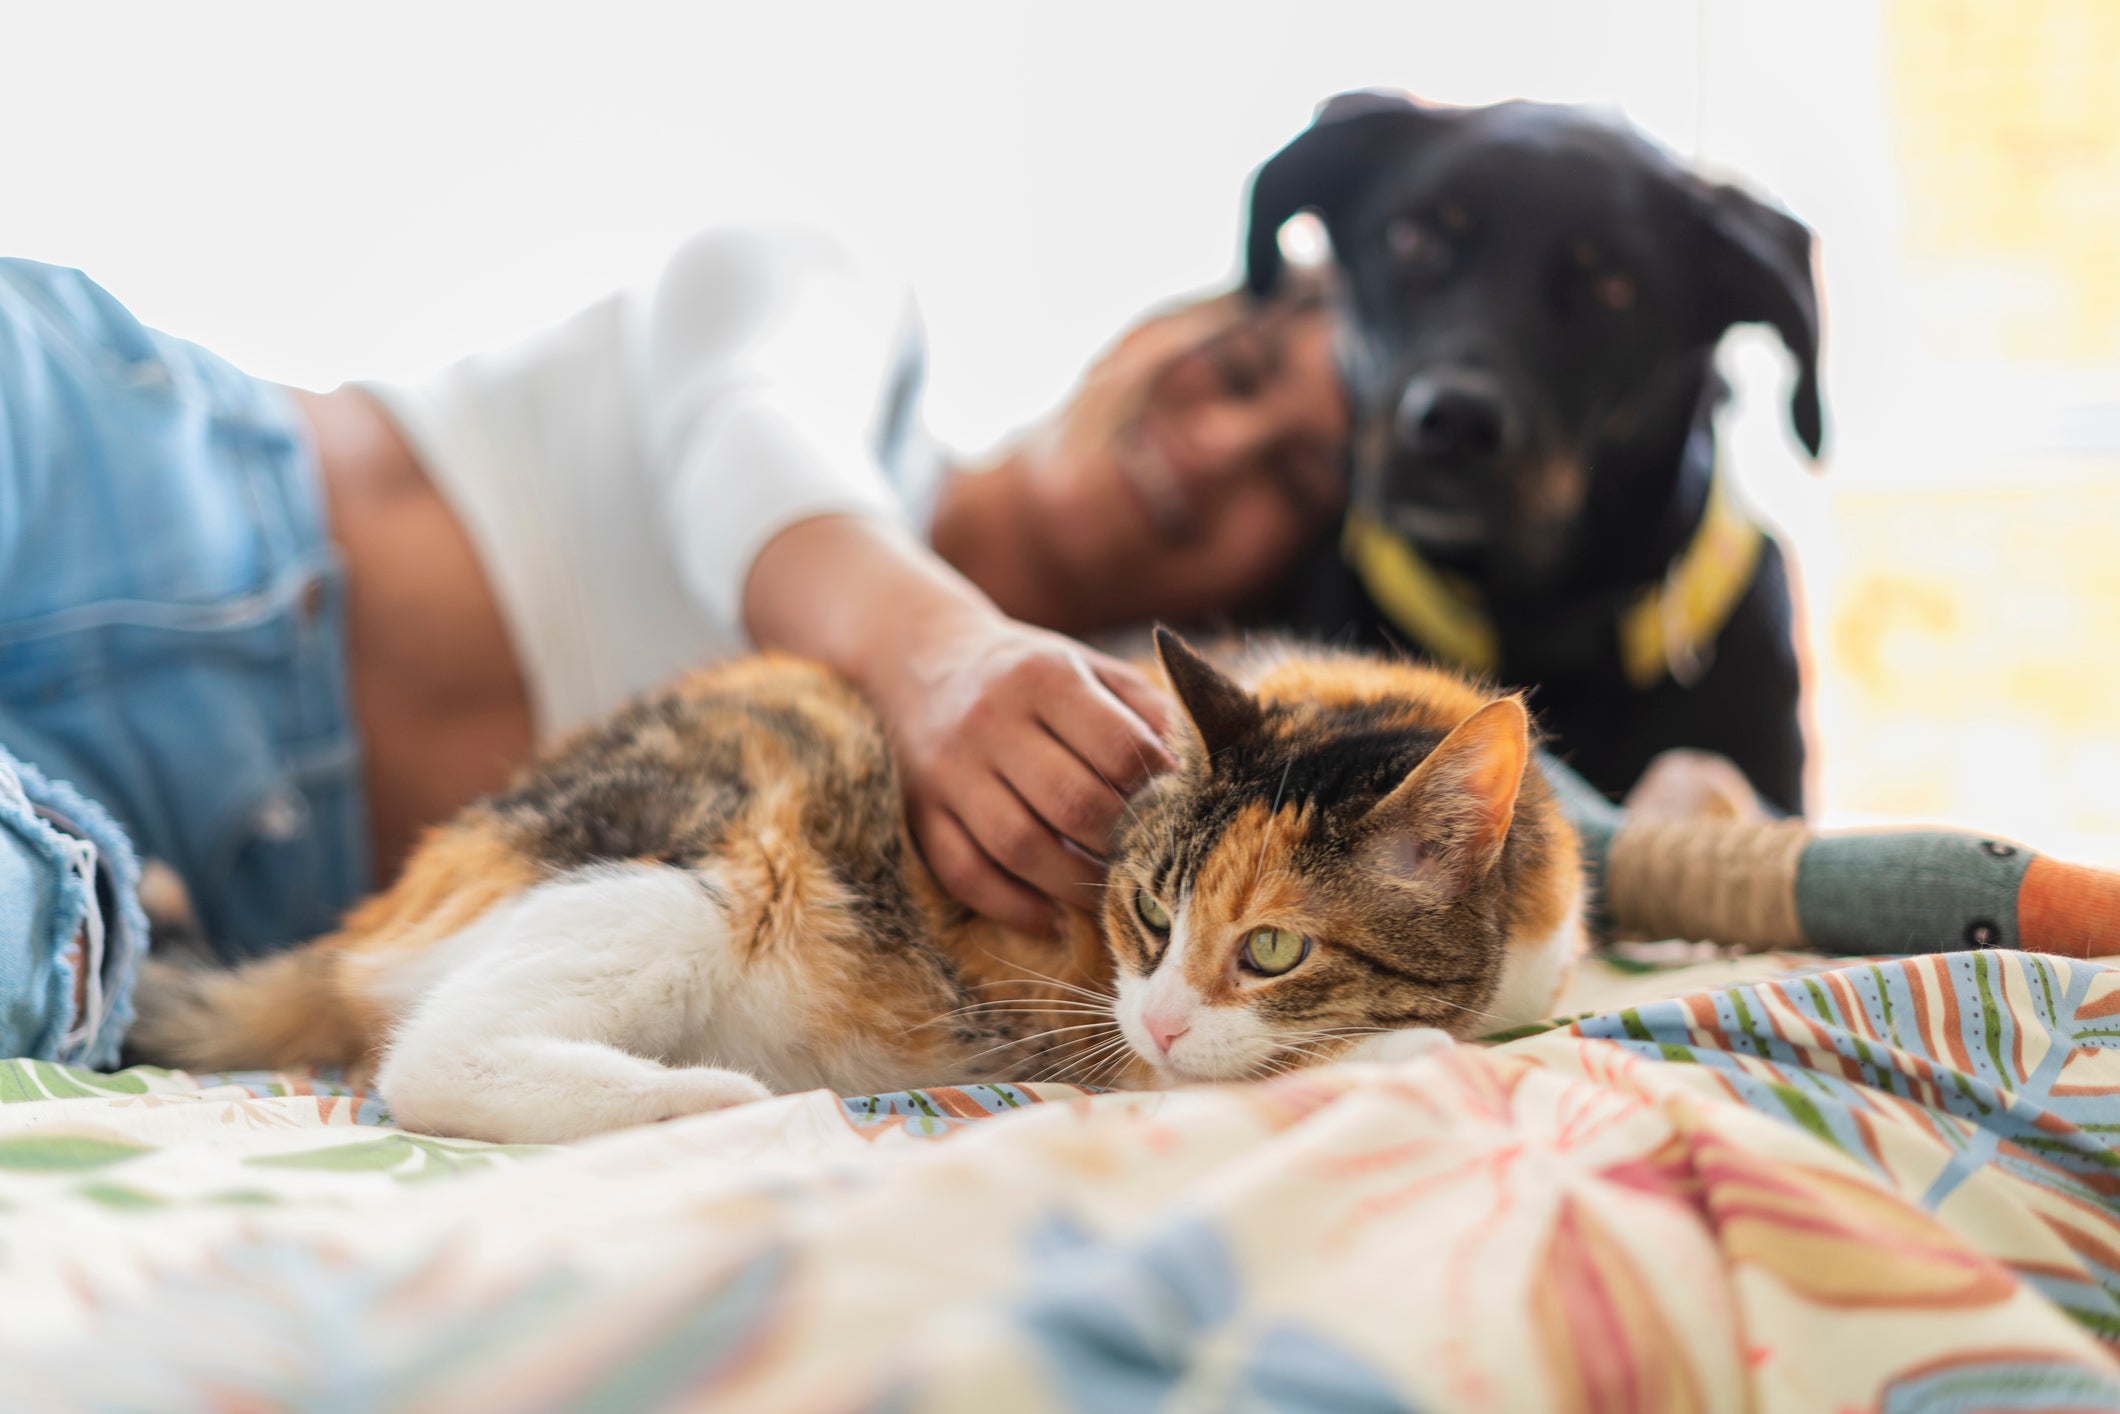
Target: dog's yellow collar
point(1665, 628)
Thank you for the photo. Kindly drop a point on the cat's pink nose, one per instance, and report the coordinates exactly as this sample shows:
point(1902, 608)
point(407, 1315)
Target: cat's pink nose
point(1164, 1029)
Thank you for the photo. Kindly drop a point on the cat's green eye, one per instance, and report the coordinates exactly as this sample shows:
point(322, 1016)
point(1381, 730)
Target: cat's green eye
point(1152, 913)
point(1274, 950)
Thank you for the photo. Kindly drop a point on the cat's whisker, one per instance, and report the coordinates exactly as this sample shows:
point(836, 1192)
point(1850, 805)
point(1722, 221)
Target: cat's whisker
point(1048, 978)
point(1084, 1059)
point(1049, 1032)
point(1112, 1068)
point(1125, 802)
point(1033, 977)
point(1313, 1039)
point(1087, 1057)
point(1471, 1011)
point(1017, 1012)
point(1273, 815)
point(1332, 1031)
point(988, 1003)
point(1042, 1036)
point(1306, 1052)
point(1037, 1003)
point(1103, 1041)
point(1112, 1064)
point(997, 1011)
point(1037, 978)
point(1274, 1068)
point(1101, 1032)
point(1021, 1004)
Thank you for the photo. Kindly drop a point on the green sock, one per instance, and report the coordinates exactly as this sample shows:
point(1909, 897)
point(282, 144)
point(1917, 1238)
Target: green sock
point(1904, 891)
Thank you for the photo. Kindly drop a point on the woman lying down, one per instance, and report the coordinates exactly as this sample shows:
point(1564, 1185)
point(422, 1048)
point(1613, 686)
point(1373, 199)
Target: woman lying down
point(888, 863)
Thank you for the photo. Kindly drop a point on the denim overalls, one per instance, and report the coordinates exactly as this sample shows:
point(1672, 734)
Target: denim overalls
point(172, 645)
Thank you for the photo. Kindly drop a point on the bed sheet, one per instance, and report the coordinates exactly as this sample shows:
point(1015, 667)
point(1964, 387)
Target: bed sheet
point(1890, 1185)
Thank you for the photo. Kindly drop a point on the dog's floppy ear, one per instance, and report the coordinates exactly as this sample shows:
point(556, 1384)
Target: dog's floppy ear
point(1320, 169)
point(1759, 272)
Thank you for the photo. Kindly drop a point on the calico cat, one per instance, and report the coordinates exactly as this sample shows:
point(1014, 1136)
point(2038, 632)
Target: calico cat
point(712, 896)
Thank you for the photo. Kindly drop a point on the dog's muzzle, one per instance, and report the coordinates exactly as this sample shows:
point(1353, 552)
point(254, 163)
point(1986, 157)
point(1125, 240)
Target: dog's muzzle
point(1451, 434)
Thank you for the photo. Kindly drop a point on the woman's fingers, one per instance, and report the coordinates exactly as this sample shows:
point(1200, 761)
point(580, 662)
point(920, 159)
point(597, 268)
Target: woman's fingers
point(1149, 702)
point(1020, 840)
point(973, 878)
point(1074, 800)
point(1090, 717)
point(1017, 748)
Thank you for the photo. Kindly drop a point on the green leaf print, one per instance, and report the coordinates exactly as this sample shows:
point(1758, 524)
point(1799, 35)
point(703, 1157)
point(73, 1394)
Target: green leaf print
point(59, 1153)
point(22, 1081)
point(407, 1157)
point(243, 1198)
point(118, 1196)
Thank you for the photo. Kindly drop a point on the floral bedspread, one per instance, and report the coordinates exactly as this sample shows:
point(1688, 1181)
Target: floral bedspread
point(1887, 1186)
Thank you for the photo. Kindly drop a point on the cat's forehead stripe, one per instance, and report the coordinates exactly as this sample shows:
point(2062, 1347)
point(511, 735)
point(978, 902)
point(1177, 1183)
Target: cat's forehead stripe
point(1335, 764)
point(1248, 870)
point(1341, 773)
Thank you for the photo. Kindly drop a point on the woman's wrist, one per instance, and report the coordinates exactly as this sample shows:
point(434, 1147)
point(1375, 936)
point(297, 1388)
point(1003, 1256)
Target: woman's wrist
point(859, 596)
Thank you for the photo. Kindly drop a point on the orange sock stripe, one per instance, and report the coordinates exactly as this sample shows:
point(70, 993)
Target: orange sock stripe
point(2069, 909)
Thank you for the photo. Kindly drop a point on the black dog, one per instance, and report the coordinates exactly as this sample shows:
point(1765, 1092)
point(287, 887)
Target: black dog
point(1528, 301)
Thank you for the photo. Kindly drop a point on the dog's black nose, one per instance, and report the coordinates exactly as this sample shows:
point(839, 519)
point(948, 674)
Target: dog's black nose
point(1457, 417)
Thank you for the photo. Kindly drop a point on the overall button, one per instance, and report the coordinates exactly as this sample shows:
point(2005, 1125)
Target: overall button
point(283, 817)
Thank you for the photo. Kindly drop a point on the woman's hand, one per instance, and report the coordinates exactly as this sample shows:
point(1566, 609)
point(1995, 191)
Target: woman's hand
point(1018, 747)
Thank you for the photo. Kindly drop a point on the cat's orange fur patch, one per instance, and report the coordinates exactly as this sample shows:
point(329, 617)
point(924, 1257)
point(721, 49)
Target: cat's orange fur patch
point(1247, 880)
point(1427, 697)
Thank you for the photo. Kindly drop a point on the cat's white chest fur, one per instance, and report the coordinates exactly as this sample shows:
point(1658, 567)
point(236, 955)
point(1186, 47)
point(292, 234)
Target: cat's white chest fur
point(1533, 978)
point(1537, 970)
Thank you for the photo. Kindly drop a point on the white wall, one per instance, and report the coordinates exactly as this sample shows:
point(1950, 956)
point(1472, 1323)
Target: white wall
point(329, 191)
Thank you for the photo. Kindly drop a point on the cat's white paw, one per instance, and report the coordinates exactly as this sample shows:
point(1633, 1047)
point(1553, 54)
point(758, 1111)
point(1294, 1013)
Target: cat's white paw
point(698, 1089)
point(1399, 1045)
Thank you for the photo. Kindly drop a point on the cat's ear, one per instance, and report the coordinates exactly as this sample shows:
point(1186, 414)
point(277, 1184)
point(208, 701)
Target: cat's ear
point(1220, 711)
point(1445, 824)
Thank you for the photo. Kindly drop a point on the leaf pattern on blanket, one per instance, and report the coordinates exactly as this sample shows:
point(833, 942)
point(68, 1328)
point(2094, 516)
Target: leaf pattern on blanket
point(407, 1157)
point(23, 1081)
point(1601, 1329)
point(66, 1151)
point(1881, 1185)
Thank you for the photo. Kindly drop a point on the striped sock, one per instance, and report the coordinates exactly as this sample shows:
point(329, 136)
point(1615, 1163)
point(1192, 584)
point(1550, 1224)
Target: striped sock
point(2069, 909)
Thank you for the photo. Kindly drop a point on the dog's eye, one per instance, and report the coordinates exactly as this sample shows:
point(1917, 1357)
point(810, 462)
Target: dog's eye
point(1414, 245)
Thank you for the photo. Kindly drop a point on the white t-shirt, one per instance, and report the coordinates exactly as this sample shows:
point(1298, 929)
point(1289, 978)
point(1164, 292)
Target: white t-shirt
point(618, 474)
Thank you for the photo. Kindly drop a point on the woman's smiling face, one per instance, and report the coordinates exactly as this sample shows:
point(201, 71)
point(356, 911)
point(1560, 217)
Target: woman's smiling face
point(1201, 456)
